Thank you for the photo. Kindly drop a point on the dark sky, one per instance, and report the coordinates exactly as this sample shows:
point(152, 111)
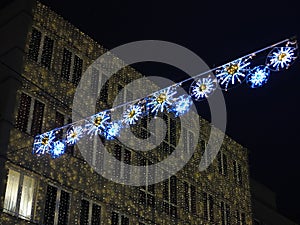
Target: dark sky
point(264, 120)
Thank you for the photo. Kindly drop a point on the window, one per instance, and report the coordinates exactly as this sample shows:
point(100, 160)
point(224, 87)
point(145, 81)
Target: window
point(208, 207)
point(72, 66)
point(170, 196)
point(30, 115)
point(90, 213)
point(124, 155)
point(34, 45)
point(237, 172)
point(118, 219)
point(47, 52)
point(190, 197)
point(147, 192)
point(38, 54)
point(240, 218)
point(222, 164)
point(19, 195)
point(57, 206)
point(225, 214)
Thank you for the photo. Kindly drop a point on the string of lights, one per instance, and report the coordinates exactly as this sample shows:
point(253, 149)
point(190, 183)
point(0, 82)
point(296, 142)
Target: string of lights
point(166, 100)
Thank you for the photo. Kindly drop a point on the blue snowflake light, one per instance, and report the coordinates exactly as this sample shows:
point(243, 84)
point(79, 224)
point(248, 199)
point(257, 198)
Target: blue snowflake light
point(58, 148)
point(203, 88)
point(182, 105)
point(281, 58)
point(232, 73)
point(132, 114)
point(43, 143)
point(161, 100)
point(112, 130)
point(97, 123)
point(258, 76)
point(74, 134)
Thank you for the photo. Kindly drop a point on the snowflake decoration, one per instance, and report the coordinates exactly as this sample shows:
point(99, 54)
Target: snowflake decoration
point(43, 143)
point(258, 76)
point(57, 149)
point(161, 100)
point(281, 58)
point(97, 123)
point(74, 134)
point(203, 88)
point(181, 105)
point(232, 73)
point(112, 130)
point(132, 114)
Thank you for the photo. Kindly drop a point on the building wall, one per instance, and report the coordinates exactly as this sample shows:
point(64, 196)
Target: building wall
point(73, 177)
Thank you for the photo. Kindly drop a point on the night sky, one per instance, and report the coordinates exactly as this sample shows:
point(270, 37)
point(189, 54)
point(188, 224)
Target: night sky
point(264, 120)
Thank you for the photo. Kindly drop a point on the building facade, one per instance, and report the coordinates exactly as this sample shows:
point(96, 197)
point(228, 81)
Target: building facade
point(66, 190)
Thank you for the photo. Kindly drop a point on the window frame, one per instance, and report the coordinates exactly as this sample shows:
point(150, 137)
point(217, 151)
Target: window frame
point(90, 214)
point(57, 202)
point(19, 195)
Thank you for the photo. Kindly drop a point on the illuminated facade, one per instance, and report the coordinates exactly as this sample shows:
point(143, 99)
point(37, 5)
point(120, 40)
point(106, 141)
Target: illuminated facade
point(66, 190)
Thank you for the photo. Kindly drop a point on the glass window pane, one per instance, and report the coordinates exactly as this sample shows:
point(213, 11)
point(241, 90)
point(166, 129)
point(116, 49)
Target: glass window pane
point(11, 193)
point(27, 197)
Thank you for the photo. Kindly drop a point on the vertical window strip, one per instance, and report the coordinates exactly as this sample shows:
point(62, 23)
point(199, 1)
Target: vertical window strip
point(66, 64)
point(77, 70)
point(34, 44)
point(37, 119)
point(46, 57)
point(23, 113)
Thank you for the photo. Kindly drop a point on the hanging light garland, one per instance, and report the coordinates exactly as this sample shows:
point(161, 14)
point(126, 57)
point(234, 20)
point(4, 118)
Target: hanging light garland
point(225, 77)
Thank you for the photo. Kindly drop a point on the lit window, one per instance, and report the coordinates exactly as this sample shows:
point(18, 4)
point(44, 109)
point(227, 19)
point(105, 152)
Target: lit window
point(90, 213)
point(57, 206)
point(30, 115)
point(119, 219)
point(19, 195)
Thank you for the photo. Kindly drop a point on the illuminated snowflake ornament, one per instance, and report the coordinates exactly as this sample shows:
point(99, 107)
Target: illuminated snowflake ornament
point(258, 76)
point(58, 148)
point(281, 58)
point(74, 134)
point(112, 130)
point(203, 88)
point(43, 143)
point(181, 105)
point(132, 114)
point(97, 123)
point(161, 100)
point(232, 73)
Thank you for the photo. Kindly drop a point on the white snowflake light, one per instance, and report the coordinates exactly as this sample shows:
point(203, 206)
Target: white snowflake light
point(97, 123)
point(161, 100)
point(281, 58)
point(203, 88)
point(232, 73)
point(258, 76)
point(74, 134)
point(132, 114)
